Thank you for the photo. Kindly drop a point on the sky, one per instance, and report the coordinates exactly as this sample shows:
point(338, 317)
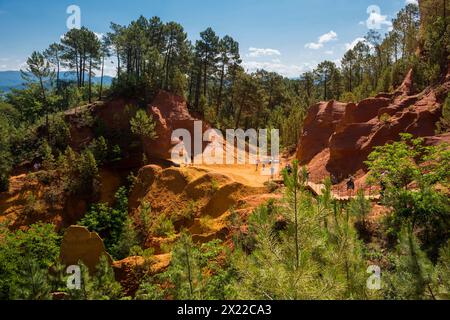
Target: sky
point(285, 36)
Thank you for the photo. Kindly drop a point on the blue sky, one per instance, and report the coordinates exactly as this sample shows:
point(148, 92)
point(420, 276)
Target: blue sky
point(287, 36)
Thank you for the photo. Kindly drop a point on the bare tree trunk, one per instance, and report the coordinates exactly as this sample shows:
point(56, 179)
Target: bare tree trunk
point(101, 79)
point(44, 100)
point(219, 100)
point(90, 80)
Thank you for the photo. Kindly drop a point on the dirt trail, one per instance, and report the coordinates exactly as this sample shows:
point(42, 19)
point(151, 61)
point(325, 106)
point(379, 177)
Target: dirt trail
point(245, 174)
point(317, 189)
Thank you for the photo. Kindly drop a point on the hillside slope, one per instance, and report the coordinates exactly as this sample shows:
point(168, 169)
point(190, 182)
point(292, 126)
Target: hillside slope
point(338, 137)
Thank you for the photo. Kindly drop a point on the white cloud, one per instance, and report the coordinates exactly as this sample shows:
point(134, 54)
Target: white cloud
point(99, 36)
point(313, 46)
point(287, 70)
point(261, 52)
point(110, 68)
point(329, 52)
point(416, 2)
point(12, 65)
point(327, 37)
point(377, 20)
point(349, 46)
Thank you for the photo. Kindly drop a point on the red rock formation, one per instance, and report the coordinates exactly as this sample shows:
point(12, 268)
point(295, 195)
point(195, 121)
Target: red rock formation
point(338, 138)
point(81, 245)
point(319, 125)
point(170, 113)
point(130, 271)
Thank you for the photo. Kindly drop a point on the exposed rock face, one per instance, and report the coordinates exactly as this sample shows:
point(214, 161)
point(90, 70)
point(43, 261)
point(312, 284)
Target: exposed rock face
point(130, 271)
point(338, 137)
point(319, 125)
point(194, 199)
point(170, 113)
point(81, 245)
point(29, 201)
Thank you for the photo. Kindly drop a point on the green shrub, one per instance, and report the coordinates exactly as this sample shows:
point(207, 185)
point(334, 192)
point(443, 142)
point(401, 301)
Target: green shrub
point(163, 227)
point(25, 257)
point(110, 223)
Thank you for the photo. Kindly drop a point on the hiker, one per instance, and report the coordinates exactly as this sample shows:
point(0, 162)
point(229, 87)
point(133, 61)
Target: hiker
point(333, 179)
point(36, 167)
point(351, 184)
point(382, 184)
point(272, 171)
point(257, 165)
point(288, 169)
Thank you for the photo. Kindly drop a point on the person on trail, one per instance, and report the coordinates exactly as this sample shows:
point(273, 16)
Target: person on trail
point(288, 169)
point(351, 184)
point(272, 171)
point(383, 184)
point(257, 165)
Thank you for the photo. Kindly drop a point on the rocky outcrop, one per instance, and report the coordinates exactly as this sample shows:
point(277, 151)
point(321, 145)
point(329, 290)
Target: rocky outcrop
point(170, 113)
point(79, 244)
point(338, 138)
point(319, 125)
point(31, 199)
point(130, 271)
point(195, 199)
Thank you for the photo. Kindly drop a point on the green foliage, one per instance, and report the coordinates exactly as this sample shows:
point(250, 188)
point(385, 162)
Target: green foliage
point(100, 286)
point(360, 207)
point(25, 257)
point(162, 227)
point(442, 275)
point(127, 242)
point(112, 224)
point(410, 174)
point(436, 42)
point(444, 124)
point(300, 251)
point(143, 125)
point(385, 118)
point(5, 155)
point(348, 97)
point(149, 291)
point(412, 275)
point(99, 149)
point(196, 272)
point(80, 172)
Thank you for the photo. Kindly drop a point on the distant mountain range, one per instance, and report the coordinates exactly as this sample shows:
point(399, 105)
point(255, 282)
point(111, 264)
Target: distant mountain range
point(13, 79)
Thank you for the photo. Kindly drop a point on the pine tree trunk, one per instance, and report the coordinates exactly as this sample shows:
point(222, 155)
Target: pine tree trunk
point(90, 80)
point(219, 100)
point(101, 79)
point(44, 99)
